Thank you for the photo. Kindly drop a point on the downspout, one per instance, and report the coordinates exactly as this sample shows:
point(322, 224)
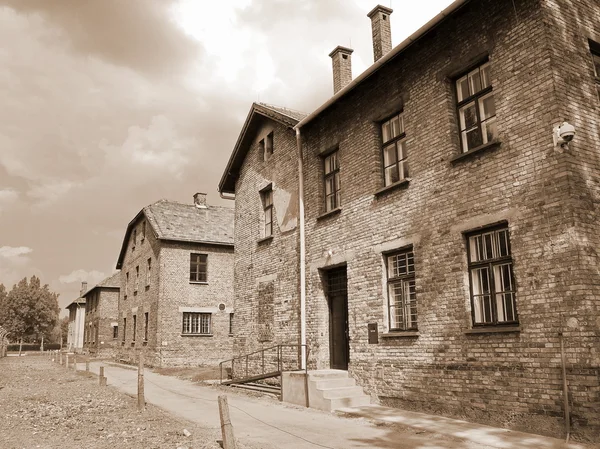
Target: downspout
point(303, 361)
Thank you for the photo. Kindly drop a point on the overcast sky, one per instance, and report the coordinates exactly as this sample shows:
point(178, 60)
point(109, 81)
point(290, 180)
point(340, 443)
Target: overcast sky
point(110, 105)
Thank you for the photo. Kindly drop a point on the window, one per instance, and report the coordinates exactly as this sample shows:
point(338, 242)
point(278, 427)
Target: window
point(115, 332)
point(231, 324)
point(476, 108)
point(332, 181)
point(148, 271)
point(198, 265)
point(402, 297)
point(491, 277)
point(267, 199)
point(126, 283)
point(134, 329)
point(395, 164)
point(124, 329)
point(143, 230)
point(595, 49)
point(134, 238)
point(268, 145)
point(146, 326)
point(196, 323)
point(137, 278)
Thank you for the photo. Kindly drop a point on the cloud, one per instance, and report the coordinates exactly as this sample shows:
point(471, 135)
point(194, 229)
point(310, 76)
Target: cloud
point(7, 197)
point(47, 193)
point(14, 253)
point(91, 277)
point(138, 34)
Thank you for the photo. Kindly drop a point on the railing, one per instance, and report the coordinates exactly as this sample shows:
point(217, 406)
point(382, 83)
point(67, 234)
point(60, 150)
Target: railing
point(264, 363)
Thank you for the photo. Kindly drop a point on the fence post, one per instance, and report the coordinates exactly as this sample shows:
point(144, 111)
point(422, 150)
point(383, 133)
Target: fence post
point(101, 378)
point(87, 366)
point(67, 361)
point(75, 362)
point(226, 427)
point(141, 403)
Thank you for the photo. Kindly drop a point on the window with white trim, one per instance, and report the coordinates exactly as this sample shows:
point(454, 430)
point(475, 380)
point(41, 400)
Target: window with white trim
point(402, 296)
point(476, 108)
point(195, 323)
point(395, 160)
point(491, 277)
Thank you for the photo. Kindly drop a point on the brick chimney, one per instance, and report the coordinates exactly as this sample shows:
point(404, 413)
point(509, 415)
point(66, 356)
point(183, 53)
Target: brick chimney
point(382, 34)
point(83, 288)
point(200, 200)
point(342, 67)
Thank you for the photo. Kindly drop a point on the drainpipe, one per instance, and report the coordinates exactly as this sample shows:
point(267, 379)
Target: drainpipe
point(302, 252)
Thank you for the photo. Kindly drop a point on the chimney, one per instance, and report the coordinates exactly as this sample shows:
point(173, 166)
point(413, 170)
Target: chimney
point(342, 67)
point(382, 34)
point(83, 288)
point(200, 200)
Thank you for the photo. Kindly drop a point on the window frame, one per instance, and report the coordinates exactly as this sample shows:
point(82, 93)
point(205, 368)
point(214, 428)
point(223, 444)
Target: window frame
point(266, 196)
point(231, 323)
point(115, 332)
point(187, 328)
point(146, 321)
point(401, 279)
point(137, 279)
point(198, 272)
point(123, 339)
point(148, 271)
point(134, 239)
point(126, 284)
point(334, 174)
point(595, 54)
point(134, 328)
point(269, 146)
point(490, 264)
point(395, 140)
point(475, 98)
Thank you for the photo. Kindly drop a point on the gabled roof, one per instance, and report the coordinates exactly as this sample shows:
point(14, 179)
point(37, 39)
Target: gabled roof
point(112, 282)
point(285, 116)
point(77, 302)
point(170, 220)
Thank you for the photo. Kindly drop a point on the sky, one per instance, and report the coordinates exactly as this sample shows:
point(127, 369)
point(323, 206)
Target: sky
point(111, 105)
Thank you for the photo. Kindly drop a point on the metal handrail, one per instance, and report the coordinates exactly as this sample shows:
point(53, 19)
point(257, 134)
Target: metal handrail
point(279, 360)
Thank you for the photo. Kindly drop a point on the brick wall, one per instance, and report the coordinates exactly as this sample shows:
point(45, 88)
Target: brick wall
point(101, 314)
point(547, 196)
point(178, 294)
point(266, 271)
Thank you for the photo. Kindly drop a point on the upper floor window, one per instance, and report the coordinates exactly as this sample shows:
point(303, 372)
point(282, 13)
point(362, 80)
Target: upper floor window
point(134, 331)
point(331, 181)
point(137, 278)
point(491, 277)
point(196, 323)
point(267, 200)
point(126, 283)
point(402, 296)
point(198, 267)
point(395, 164)
point(143, 230)
point(146, 326)
point(595, 50)
point(148, 271)
point(134, 238)
point(476, 108)
point(231, 323)
point(115, 332)
point(265, 147)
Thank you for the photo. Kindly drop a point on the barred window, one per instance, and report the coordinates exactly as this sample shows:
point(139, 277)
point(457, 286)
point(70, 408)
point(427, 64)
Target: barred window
point(402, 297)
point(196, 323)
point(491, 277)
point(198, 267)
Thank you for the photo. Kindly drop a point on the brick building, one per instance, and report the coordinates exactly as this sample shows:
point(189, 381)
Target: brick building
point(101, 327)
point(450, 242)
point(176, 297)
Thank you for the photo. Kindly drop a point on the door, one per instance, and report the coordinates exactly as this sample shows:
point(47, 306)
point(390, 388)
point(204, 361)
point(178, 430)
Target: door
point(337, 297)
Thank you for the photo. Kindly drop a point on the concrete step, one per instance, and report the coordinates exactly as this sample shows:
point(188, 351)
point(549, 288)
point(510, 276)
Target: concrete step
point(327, 374)
point(357, 401)
point(343, 392)
point(334, 383)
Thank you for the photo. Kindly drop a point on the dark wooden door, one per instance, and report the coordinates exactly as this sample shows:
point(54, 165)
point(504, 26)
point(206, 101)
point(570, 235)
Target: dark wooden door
point(337, 296)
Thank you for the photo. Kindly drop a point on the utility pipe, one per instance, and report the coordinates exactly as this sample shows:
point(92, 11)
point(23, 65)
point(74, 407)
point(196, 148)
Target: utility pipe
point(302, 252)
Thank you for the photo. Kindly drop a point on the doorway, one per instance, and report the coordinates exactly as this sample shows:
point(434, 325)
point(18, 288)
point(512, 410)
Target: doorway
point(337, 299)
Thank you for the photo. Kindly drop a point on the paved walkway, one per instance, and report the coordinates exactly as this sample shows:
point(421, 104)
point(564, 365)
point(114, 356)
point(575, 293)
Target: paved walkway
point(272, 424)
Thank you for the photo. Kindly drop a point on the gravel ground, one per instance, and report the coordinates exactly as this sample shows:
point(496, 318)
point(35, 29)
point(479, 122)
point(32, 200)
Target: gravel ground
point(44, 405)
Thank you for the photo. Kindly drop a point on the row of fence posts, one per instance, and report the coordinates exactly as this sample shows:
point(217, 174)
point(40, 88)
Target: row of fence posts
point(71, 358)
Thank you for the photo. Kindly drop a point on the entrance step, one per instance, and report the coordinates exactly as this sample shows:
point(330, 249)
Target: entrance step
point(327, 389)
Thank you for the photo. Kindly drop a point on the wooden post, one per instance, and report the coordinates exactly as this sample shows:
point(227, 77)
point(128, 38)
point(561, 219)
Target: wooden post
point(101, 378)
point(74, 362)
point(141, 402)
point(67, 362)
point(87, 366)
point(226, 427)
point(60, 354)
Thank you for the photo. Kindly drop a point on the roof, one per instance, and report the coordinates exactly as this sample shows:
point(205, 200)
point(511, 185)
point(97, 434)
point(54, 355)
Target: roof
point(285, 116)
point(170, 220)
point(397, 50)
point(77, 302)
point(112, 281)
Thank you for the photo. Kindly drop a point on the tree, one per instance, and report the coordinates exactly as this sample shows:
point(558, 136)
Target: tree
point(29, 310)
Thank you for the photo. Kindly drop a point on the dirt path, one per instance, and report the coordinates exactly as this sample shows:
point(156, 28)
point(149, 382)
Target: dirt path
point(43, 405)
